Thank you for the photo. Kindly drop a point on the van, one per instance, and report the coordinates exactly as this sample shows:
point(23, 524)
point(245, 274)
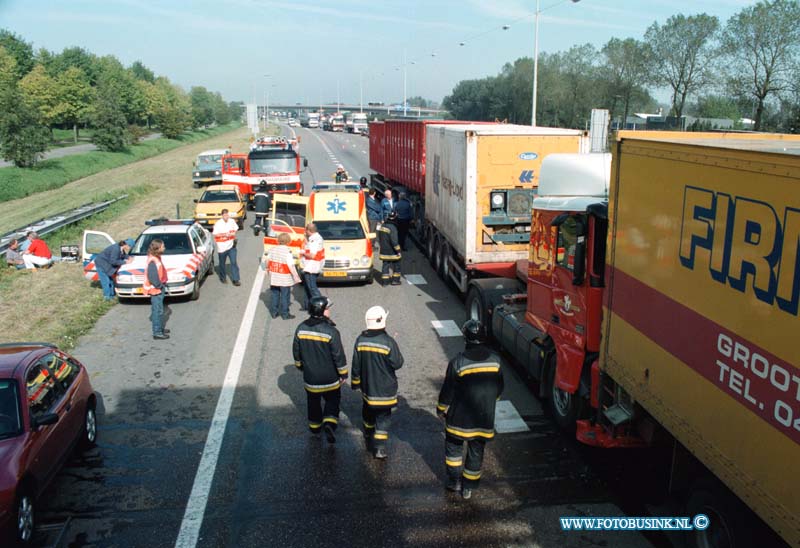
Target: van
point(339, 211)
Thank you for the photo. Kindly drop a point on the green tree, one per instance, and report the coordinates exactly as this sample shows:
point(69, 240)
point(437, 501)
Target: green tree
point(20, 50)
point(23, 138)
point(109, 122)
point(222, 115)
point(202, 106)
point(40, 89)
point(716, 106)
point(683, 52)
point(75, 98)
point(72, 57)
point(141, 72)
point(172, 108)
point(625, 72)
point(123, 83)
point(761, 45)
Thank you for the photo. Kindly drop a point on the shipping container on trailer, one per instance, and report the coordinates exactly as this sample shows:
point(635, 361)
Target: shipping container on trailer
point(480, 182)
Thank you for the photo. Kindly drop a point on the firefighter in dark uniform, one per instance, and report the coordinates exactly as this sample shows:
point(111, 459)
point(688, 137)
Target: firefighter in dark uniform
point(376, 357)
point(262, 202)
point(389, 241)
point(472, 385)
point(318, 352)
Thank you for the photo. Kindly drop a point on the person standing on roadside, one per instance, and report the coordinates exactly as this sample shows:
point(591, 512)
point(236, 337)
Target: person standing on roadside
point(389, 255)
point(282, 276)
point(155, 285)
point(225, 238)
point(387, 204)
point(313, 257)
point(472, 384)
point(318, 353)
point(374, 213)
point(405, 213)
point(107, 262)
point(376, 357)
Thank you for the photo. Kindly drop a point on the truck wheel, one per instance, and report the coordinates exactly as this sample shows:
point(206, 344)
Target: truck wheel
point(728, 519)
point(437, 256)
point(476, 309)
point(564, 407)
point(445, 268)
point(430, 245)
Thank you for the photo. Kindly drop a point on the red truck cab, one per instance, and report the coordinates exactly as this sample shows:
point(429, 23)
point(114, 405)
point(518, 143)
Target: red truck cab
point(274, 160)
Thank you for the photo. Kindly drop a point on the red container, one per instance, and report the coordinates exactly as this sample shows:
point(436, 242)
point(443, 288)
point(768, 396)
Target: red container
point(397, 150)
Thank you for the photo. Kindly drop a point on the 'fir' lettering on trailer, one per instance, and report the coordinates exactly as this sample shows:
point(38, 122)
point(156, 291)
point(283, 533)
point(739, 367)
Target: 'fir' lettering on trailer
point(750, 245)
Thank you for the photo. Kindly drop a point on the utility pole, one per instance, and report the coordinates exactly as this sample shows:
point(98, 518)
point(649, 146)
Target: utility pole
point(405, 79)
point(361, 90)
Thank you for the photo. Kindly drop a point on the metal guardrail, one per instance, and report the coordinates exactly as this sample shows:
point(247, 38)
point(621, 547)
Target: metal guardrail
point(56, 222)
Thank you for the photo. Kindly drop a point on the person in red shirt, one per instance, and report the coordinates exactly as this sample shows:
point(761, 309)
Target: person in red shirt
point(37, 254)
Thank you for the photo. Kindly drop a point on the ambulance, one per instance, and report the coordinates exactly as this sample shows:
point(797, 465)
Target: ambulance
point(339, 211)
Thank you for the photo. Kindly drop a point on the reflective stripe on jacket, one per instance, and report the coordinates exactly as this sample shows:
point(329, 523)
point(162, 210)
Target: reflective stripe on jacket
point(280, 264)
point(313, 254)
point(389, 242)
point(472, 385)
point(147, 286)
point(318, 351)
point(225, 234)
point(376, 357)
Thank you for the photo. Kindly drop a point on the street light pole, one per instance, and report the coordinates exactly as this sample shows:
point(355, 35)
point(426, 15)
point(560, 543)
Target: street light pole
point(361, 91)
point(535, 64)
point(405, 81)
point(536, 61)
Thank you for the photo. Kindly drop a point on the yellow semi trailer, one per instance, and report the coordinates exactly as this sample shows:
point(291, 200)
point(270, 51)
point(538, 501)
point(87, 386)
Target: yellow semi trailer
point(701, 332)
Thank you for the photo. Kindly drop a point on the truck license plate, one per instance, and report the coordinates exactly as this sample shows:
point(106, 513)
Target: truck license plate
point(334, 274)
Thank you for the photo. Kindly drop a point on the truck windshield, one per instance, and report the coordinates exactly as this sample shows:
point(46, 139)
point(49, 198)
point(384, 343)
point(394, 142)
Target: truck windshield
point(265, 162)
point(9, 409)
point(340, 230)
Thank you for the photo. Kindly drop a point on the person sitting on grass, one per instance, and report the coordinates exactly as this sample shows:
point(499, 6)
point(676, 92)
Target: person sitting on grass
point(14, 255)
point(37, 254)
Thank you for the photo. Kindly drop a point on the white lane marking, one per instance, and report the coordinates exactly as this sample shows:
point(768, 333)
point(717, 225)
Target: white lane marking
point(331, 155)
point(507, 420)
point(196, 506)
point(447, 328)
point(416, 279)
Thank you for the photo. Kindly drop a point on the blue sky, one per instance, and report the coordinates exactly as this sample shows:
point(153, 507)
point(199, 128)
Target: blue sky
point(307, 46)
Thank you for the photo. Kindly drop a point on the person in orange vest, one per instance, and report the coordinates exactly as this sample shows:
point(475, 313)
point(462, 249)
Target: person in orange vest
point(313, 257)
point(282, 276)
point(225, 237)
point(155, 285)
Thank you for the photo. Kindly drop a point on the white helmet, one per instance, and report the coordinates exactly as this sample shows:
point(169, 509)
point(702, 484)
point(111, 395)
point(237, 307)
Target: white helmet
point(376, 318)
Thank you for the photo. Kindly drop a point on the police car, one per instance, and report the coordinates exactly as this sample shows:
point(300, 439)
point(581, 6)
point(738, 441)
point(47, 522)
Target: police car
point(188, 257)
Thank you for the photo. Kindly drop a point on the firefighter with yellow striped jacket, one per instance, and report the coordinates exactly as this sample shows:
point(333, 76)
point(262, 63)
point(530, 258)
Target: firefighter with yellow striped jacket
point(376, 357)
point(472, 385)
point(318, 352)
point(389, 242)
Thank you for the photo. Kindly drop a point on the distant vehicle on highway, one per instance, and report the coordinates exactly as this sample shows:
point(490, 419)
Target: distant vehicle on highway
point(293, 123)
point(216, 198)
point(188, 258)
point(208, 167)
point(47, 408)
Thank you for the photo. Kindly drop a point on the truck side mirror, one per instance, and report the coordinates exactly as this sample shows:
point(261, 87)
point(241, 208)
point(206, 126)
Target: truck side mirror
point(305, 162)
point(579, 272)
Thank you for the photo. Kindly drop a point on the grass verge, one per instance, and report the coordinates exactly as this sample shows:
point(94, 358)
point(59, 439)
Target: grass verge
point(18, 182)
point(58, 304)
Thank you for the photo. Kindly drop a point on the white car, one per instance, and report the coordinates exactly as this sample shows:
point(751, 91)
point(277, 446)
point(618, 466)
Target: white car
point(293, 123)
point(188, 257)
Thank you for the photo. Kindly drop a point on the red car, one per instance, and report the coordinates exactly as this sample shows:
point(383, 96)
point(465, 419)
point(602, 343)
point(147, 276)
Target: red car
point(47, 406)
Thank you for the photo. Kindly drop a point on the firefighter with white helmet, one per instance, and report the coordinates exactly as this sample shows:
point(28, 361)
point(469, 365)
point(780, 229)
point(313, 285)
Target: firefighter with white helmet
point(376, 357)
point(341, 174)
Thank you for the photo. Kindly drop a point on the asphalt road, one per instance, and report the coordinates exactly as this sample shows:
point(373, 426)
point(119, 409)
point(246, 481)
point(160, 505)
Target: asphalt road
point(75, 149)
point(273, 483)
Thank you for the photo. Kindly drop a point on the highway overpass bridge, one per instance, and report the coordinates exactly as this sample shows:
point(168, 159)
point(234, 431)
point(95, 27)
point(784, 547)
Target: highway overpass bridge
point(373, 109)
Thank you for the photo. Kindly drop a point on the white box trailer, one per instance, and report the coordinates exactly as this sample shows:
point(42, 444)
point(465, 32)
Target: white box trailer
point(480, 181)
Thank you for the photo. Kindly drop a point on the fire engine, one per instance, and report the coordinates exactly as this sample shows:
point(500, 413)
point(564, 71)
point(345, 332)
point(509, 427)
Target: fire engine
point(273, 160)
